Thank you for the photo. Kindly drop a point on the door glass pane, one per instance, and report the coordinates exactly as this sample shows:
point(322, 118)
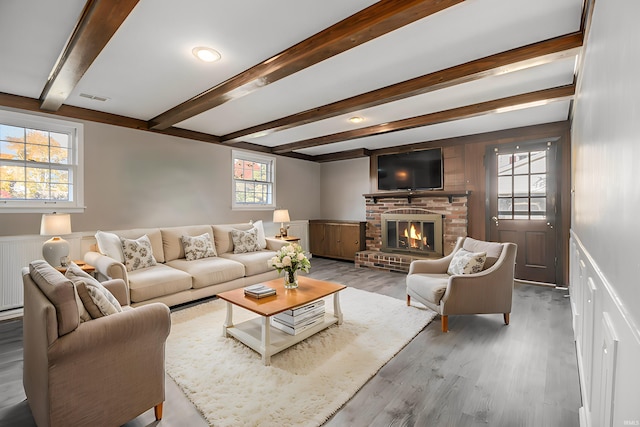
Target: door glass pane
point(521, 204)
point(504, 208)
point(505, 164)
point(504, 186)
point(538, 161)
point(521, 163)
point(521, 185)
point(538, 184)
point(539, 208)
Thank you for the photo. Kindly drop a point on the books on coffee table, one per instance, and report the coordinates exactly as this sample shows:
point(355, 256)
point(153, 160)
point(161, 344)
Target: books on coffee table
point(307, 307)
point(259, 291)
point(296, 329)
point(299, 319)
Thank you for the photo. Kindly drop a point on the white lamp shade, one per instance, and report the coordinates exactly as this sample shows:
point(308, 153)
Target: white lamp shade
point(55, 224)
point(55, 249)
point(281, 215)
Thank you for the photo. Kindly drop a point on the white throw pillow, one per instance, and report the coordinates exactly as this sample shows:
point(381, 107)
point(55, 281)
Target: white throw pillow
point(100, 296)
point(245, 241)
point(197, 247)
point(262, 239)
point(109, 244)
point(137, 253)
point(465, 262)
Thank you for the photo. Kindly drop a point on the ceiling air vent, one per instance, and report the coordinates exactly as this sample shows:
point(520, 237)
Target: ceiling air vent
point(94, 97)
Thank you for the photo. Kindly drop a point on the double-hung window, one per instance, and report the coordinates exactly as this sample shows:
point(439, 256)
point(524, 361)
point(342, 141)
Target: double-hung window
point(40, 164)
point(253, 180)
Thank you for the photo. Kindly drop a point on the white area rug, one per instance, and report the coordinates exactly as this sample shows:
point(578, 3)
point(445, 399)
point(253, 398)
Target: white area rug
point(306, 383)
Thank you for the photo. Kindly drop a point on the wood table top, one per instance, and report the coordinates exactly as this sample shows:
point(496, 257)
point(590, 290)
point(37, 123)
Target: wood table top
point(285, 299)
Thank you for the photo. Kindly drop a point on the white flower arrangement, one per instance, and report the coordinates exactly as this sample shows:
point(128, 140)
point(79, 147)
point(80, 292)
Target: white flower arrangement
point(290, 258)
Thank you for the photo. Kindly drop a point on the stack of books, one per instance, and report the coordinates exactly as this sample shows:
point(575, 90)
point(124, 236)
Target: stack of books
point(259, 291)
point(299, 319)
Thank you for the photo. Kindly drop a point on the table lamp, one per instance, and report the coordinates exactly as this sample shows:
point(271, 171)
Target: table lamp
point(55, 250)
point(281, 216)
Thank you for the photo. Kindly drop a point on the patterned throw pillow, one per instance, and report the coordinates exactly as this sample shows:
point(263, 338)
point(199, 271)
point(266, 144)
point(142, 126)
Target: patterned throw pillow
point(197, 247)
point(97, 299)
point(465, 262)
point(245, 241)
point(137, 253)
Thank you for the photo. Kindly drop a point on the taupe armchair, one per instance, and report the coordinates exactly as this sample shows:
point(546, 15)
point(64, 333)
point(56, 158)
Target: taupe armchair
point(102, 372)
point(485, 292)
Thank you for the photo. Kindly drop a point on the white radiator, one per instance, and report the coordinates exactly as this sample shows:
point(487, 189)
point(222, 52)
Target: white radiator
point(17, 252)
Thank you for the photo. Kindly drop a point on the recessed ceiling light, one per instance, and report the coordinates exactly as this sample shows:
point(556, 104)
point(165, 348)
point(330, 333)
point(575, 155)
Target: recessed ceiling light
point(356, 119)
point(206, 54)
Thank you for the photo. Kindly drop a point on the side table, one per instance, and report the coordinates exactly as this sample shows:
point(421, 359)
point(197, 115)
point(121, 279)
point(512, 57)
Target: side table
point(291, 239)
point(83, 265)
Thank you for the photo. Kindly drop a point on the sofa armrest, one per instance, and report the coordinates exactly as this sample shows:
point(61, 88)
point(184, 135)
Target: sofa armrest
point(106, 266)
point(430, 266)
point(275, 244)
point(114, 333)
point(119, 289)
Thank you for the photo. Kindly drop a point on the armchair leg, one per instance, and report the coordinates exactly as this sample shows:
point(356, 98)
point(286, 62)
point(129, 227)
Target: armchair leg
point(408, 300)
point(158, 411)
point(445, 323)
point(506, 318)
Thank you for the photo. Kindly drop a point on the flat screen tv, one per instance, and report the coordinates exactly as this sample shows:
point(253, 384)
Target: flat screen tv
point(415, 170)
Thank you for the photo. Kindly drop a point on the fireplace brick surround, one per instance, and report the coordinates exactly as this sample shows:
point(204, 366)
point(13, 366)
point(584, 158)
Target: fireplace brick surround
point(455, 220)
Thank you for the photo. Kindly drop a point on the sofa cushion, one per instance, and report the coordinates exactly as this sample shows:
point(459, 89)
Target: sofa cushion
point(197, 247)
point(209, 271)
point(60, 291)
point(222, 236)
point(172, 243)
point(492, 249)
point(154, 235)
point(262, 239)
point(430, 287)
point(137, 253)
point(157, 281)
point(465, 262)
point(109, 244)
point(254, 262)
point(99, 295)
point(245, 241)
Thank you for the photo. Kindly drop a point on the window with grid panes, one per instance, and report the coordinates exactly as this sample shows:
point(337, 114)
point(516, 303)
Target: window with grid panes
point(522, 185)
point(40, 164)
point(253, 181)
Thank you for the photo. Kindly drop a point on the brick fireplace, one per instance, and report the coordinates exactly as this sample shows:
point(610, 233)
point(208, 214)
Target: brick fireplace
point(452, 208)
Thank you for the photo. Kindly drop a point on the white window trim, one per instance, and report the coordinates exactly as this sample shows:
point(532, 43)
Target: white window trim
point(45, 123)
point(248, 155)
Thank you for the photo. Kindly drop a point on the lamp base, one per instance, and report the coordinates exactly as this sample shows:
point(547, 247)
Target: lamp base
point(55, 251)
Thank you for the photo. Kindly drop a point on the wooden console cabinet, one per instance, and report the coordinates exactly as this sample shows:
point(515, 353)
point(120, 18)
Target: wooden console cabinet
point(336, 239)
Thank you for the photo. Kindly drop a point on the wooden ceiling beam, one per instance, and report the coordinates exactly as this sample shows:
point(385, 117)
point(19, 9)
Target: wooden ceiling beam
point(368, 24)
point(98, 22)
point(466, 112)
point(501, 63)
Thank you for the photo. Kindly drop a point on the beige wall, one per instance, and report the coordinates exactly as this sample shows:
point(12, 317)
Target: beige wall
point(343, 184)
point(140, 179)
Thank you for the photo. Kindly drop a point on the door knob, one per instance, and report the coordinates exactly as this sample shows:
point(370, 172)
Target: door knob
point(550, 225)
point(495, 219)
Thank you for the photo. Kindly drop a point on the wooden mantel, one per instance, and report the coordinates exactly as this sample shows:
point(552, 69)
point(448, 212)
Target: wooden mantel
point(413, 194)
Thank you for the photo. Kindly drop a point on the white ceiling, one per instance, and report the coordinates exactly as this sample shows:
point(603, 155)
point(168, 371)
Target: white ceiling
point(147, 67)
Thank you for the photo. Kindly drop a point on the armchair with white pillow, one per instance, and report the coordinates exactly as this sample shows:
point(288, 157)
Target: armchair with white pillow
point(475, 278)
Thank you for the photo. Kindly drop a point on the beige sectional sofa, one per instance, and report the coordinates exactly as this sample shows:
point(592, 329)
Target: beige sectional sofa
point(176, 280)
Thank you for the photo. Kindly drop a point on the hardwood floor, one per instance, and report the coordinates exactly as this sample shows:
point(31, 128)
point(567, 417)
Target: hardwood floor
point(480, 373)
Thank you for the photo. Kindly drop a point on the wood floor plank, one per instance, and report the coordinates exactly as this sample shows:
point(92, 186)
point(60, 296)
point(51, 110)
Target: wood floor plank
point(480, 373)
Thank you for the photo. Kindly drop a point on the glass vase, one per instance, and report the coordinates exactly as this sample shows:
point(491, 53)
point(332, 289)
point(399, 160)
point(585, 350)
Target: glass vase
point(290, 279)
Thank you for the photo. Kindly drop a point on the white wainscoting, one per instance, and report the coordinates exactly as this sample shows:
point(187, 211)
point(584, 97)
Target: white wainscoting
point(607, 345)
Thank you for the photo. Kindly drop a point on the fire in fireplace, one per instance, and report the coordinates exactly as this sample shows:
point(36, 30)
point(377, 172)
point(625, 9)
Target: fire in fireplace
point(416, 233)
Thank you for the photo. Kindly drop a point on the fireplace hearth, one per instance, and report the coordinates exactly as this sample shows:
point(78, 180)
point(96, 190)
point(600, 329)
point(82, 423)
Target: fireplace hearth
point(419, 234)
